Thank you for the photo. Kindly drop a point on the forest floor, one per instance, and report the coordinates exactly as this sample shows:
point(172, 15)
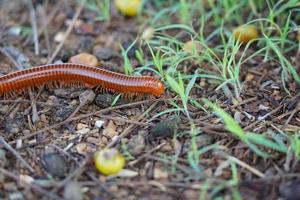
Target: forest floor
point(227, 126)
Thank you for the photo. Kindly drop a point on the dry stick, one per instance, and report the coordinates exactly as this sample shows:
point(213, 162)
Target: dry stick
point(270, 113)
point(7, 54)
point(35, 116)
point(129, 128)
point(47, 22)
point(34, 27)
point(70, 28)
point(244, 102)
point(292, 115)
point(45, 30)
point(30, 185)
point(248, 167)
point(119, 119)
point(134, 162)
point(28, 101)
point(16, 154)
point(87, 115)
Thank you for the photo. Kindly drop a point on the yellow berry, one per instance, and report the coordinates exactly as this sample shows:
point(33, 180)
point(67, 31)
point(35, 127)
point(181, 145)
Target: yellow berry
point(245, 33)
point(128, 7)
point(109, 161)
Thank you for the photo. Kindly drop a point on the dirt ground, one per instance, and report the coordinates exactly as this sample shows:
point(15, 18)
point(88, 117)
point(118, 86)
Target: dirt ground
point(48, 135)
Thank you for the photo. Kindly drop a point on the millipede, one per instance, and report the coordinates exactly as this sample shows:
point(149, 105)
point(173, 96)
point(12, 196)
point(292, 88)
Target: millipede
point(90, 77)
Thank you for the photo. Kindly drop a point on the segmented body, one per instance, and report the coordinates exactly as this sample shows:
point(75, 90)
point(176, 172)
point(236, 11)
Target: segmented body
point(73, 73)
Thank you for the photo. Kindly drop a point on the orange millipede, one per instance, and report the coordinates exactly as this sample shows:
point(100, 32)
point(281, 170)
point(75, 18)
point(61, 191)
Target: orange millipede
point(91, 77)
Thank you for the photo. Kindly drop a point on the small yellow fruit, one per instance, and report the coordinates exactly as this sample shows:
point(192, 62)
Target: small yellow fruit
point(245, 33)
point(128, 7)
point(192, 47)
point(109, 161)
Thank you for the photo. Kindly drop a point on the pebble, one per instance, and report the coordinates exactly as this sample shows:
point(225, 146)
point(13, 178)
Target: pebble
point(81, 148)
point(80, 126)
point(55, 164)
point(83, 131)
point(99, 123)
point(165, 128)
point(59, 37)
point(85, 58)
point(16, 196)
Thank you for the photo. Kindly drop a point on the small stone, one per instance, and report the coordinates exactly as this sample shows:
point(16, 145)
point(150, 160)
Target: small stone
point(99, 123)
point(68, 93)
point(25, 180)
point(137, 143)
point(87, 96)
point(59, 37)
point(104, 100)
point(159, 173)
point(63, 113)
point(81, 148)
point(16, 196)
point(80, 126)
point(93, 140)
point(15, 31)
point(86, 59)
point(55, 164)
point(83, 131)
point(126, 173)
point(4, 109)
point(110, 130)
point(165, 128)
point(249, 77)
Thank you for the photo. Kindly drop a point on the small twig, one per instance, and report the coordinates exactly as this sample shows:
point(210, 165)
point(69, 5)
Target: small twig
point(35, 116)
point(244, 102)
point(34, 27)
point(10, 57)
point(45, 30)
point(125, 120)
point(270, 113)
point(28, 101)
point(248, 167)
point(142, 157)
point(30, 185)
point(16, 154)
point(67, 33)
point(292, 114)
